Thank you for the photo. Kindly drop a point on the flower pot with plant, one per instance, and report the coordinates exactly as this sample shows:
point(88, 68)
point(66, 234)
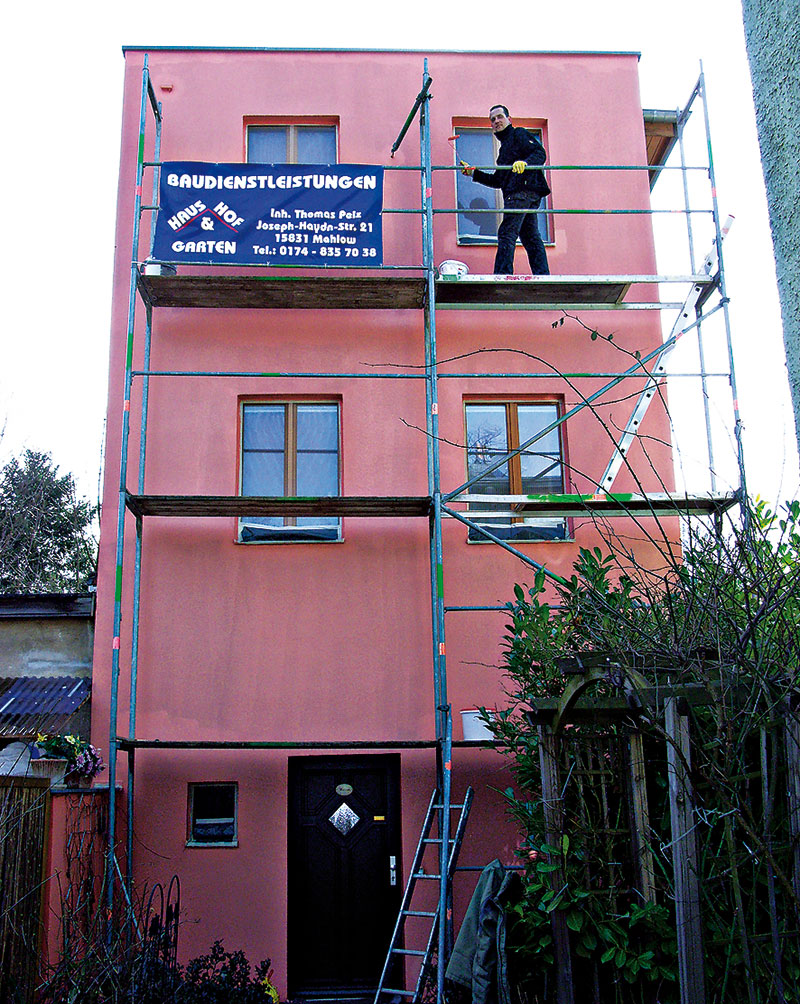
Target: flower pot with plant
point(81, 762)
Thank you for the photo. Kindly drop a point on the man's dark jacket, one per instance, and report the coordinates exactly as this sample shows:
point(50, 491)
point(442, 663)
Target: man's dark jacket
point(517, 144)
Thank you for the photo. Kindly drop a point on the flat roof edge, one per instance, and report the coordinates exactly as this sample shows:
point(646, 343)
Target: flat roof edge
point(660, 115)
point(38, 605)
point(460, 52)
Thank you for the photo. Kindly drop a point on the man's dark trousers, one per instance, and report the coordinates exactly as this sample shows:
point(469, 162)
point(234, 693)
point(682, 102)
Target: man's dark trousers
point(524, 226)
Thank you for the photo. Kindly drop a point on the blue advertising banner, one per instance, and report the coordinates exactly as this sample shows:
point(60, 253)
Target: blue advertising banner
point(270, 214)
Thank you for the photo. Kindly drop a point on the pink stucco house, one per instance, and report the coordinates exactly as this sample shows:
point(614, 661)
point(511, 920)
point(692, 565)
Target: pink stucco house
point(311, 632)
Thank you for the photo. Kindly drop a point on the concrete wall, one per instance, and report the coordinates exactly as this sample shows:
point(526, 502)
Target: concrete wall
point(46, 647)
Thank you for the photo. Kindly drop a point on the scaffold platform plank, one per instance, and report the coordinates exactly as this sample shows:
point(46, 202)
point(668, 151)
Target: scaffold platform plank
point(261, 505)
point(486, 291)
point(285, 292)
point(612, 504)
point(395, 292)
point(129, 743)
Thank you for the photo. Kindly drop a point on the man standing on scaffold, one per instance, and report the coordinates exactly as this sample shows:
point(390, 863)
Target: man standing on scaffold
point(523, 188)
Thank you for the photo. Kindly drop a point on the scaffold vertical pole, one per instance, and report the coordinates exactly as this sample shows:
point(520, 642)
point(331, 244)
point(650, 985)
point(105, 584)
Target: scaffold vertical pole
point(442, 708)
point(724, 295)
point(156, 177)
point(113, 744)
point(443, 950)
point(132, 703)
point(137, 582)
point(683, 117)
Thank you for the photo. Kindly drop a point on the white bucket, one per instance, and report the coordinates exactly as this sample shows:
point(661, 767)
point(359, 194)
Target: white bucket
point(450, 267)
point(157, 268)
point(475, 728)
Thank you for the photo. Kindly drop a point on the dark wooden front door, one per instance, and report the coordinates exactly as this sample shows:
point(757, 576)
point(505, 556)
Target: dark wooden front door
point(344, 875)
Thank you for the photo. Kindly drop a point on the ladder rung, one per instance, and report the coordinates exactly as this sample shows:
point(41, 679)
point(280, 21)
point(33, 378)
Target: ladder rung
point(437, 840)
point(408, 951)
point(423, 875)
point(403, 993)
point(418, 913)
point(452, 806)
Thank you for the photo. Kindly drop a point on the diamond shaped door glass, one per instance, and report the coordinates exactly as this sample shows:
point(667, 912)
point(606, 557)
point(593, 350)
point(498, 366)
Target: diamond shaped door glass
point(344, 819)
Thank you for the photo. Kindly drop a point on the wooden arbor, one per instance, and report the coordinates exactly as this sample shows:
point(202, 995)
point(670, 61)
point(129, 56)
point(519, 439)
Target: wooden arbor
point(595, 773)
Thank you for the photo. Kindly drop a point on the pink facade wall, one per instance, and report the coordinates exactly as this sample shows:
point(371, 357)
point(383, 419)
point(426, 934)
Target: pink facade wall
point(332, 641)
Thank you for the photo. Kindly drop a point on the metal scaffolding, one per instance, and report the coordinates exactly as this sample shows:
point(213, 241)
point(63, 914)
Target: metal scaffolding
point(429, 292)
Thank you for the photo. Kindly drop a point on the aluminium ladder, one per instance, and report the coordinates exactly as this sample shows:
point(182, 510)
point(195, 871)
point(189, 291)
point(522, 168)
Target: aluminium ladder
point(396, 953)
point(694, 301)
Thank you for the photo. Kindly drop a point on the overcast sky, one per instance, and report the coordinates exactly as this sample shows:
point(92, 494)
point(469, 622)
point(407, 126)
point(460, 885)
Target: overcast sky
point(63, 77)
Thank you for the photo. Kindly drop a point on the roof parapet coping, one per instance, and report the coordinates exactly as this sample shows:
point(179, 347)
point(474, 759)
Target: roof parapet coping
point(455, 52)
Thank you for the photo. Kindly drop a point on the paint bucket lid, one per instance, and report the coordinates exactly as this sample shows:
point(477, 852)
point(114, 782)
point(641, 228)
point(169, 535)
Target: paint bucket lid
point(450, 267)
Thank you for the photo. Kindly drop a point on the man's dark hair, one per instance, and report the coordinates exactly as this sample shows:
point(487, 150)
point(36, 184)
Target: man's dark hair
point(505, 110)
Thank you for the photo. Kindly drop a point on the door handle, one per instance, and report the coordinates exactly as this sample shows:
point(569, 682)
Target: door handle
point(392, 869)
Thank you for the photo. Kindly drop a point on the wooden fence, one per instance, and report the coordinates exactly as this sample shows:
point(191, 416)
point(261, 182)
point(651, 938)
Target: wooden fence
point(24, 823)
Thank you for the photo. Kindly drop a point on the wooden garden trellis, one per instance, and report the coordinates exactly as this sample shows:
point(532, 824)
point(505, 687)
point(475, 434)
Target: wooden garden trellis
point(669, 705)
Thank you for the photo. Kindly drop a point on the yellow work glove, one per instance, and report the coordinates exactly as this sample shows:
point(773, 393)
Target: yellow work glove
point(518, 166)
point(466, 169)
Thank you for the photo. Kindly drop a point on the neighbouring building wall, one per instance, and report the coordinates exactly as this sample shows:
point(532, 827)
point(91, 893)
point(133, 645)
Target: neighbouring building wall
point(772, 34)
point(46, 643)
point(42, 643)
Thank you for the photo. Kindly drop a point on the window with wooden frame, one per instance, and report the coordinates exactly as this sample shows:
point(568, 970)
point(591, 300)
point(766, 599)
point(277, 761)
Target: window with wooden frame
point(290, 449)
point(479, 147)
point(291, 143)
point(496, 428)
point(212, 815)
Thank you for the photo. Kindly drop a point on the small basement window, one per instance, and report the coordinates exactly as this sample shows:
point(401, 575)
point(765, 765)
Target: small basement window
point(212, 815)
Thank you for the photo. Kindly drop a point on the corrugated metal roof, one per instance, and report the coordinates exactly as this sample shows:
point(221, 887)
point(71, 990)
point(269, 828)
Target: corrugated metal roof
point(37, 605)
point(31, 704)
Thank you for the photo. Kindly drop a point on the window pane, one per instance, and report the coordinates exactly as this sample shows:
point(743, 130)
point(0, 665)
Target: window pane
point(318, 474)
point(263, 474)
point(316, 145)
point(476, 147)
point(535, 417)
point(266, 144)
point(317, 427)
point(264, 426)
point(541, 464)
point(213, 813)
point(487, 440)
